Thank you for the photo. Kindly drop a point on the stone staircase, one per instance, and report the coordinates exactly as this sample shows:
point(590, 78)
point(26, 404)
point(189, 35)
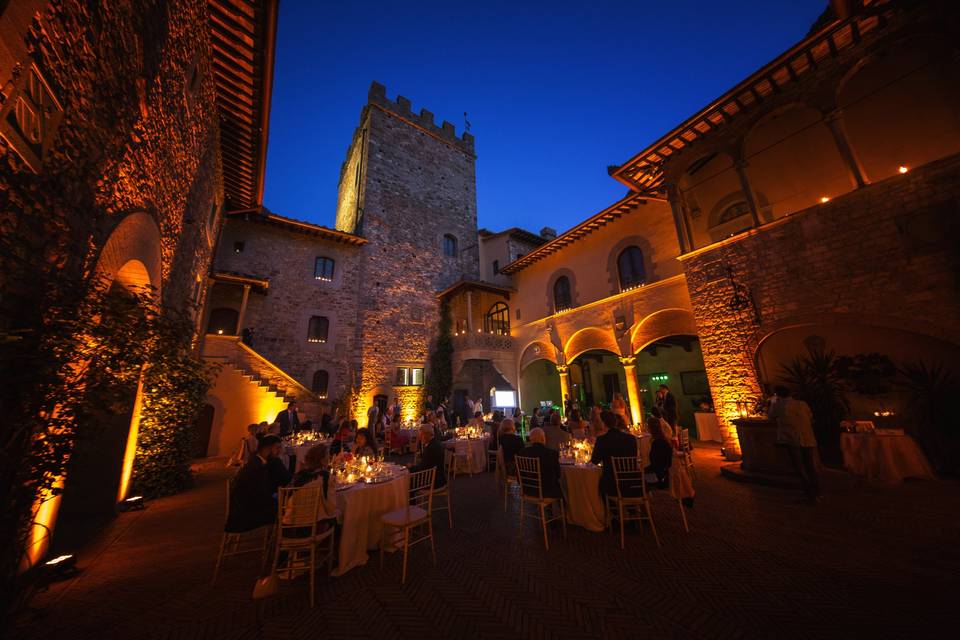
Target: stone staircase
point(230, 351)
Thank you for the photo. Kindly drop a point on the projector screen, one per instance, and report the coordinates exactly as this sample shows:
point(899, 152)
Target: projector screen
point(504, 399)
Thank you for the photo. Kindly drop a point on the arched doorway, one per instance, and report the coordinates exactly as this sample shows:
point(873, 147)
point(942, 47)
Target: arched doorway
point(677, 362)
point(596, 376)
point(101, 463)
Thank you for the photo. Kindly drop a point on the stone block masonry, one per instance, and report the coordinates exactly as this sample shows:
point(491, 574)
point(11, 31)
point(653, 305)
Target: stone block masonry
point(406, 185)
point(875, 256)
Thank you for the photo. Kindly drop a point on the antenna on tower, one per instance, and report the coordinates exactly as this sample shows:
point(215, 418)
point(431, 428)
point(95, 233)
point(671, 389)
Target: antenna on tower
point(466, 123)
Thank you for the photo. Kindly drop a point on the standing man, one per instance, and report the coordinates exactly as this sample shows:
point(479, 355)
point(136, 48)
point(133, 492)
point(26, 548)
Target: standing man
point(288, 420)
point(667, 404)
point(432, 456)
point(795, 432)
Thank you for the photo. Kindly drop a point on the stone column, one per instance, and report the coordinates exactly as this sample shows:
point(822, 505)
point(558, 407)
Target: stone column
point(633, 389)
point(854, 167)
point(741, 168)
point(673, 196)
point(243, 309)
point(564, 371)
point(470, 311)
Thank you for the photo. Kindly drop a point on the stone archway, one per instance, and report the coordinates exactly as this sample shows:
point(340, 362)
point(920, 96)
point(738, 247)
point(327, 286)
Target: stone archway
point(129, 259)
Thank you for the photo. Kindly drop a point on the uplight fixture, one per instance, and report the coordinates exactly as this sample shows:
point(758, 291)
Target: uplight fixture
point(903, 169)
point(824, 199)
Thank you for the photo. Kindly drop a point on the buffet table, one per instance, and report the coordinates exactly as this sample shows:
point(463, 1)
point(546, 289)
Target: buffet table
point(708, 427)
point(884, 457)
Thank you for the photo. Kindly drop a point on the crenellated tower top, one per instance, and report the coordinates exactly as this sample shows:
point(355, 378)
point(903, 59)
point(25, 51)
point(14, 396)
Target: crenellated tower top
point(424, 120)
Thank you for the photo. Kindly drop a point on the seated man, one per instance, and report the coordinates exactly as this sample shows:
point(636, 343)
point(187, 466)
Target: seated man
point(253, 502)
point(554, 433)
point(615, 443)
point(549, 464)
point(432, 456)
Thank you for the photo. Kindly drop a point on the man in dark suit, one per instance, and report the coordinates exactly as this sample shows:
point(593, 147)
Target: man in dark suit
point(288, 419)
point(667, 404)
point(613, 444)
point(253, 502)
point(549, 463)
point(432, 456)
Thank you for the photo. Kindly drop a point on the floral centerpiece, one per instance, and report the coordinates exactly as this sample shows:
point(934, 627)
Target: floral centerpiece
point(470, 431)
point(580, 451)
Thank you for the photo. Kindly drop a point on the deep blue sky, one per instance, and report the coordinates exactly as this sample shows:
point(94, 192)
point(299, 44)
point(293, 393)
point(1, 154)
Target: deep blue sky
point(554, 94)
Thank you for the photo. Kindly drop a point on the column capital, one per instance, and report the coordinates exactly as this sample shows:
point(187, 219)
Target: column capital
point(562, 369)
point(628, 361)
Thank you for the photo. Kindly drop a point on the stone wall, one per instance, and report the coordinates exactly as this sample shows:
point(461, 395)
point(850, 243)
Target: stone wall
point(123, 130)
point(417, 183)
point(883, 255)
point(280, 316)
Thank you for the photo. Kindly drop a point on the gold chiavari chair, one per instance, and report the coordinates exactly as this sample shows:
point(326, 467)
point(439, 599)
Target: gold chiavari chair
point(531, 490)
point(297, 533)
point(241, 543)
point(632, 500)
point(415, 515)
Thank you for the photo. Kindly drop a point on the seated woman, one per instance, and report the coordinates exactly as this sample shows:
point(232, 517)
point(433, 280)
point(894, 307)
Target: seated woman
point(596, 427)
point(364, 444)
point(316, 471)
point(577, 425)
point(510, 443)
point(395, 435)
point(343, 436)
point(661, 453)
point(664, 425)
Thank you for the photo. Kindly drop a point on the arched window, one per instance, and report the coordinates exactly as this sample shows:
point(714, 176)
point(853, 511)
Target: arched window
point(318, 328)
point(321, 380)
point(630, 266)
point(450, 246)
point(562, 300)
point(734, 211)
point(497, 320)
point(223, 321)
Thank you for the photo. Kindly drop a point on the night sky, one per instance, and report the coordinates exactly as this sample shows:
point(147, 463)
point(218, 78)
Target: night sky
point(554, 95)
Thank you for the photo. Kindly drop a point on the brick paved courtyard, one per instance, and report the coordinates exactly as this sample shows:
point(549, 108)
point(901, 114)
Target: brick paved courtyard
point(869, 561)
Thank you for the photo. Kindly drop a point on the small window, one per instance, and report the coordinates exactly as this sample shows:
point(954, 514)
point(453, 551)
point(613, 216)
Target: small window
point(496, 267)
point(238, 246)
point(734, 211)
point(321, 380)
point(519, 255)
point(323, 269)
point(630, 266)
point(562, 299)
point(497, 320)
point(409, 376)
point(317, 331)
point(449, 246)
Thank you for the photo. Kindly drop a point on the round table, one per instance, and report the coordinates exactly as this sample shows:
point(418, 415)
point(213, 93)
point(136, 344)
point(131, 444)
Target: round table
point(581, 486)
point(361, 506)
point(474, 449)
point(885, 458)
point(299, 451)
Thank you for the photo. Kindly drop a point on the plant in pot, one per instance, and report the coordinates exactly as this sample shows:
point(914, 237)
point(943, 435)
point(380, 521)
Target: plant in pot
point(815, 379)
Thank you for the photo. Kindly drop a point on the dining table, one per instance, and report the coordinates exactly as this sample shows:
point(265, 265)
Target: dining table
point(581, 486)
point(886, 456)
point(361, 506)
point(474, 450)
point(298, 452)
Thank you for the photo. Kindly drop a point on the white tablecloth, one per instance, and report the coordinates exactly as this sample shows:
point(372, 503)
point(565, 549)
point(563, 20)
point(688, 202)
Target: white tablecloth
point(581, 485)
point(299, 452)
point(643, 447)
point(708, 427)
point(886, 458)
point(474, 449)
point(361, 508)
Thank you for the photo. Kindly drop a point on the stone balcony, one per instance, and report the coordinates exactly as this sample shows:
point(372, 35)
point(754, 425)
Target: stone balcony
point(482, 342)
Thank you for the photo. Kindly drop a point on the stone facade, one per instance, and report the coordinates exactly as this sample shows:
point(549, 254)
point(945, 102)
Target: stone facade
point(279, 315)
point(406, 184)
point(125, 102)
point(885, 255)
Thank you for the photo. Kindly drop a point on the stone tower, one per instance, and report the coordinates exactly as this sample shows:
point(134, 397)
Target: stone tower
point(409, 187)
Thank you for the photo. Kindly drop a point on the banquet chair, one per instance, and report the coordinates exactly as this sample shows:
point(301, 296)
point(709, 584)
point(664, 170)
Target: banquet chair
point(241, 543)
point(461, 461)
point(505, 480)
point(393, 444)
point(630, 479)
point(687, 452)
point(446, 491)
point(531, 490)
point(299, 509)
point(492, 458)
point(416, 514)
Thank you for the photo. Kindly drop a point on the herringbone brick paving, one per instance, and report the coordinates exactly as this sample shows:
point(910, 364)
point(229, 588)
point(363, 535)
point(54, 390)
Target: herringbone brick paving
point(877, 561)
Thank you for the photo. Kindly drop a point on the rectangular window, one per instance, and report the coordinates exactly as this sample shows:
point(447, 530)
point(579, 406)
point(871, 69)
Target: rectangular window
point(318, 328)
point(323, 269)
point(409, 377)
point(496, 267)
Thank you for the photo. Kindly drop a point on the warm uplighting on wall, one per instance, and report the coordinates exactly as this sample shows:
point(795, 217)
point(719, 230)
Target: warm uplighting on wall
point(903, 169)
point(824, 199)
